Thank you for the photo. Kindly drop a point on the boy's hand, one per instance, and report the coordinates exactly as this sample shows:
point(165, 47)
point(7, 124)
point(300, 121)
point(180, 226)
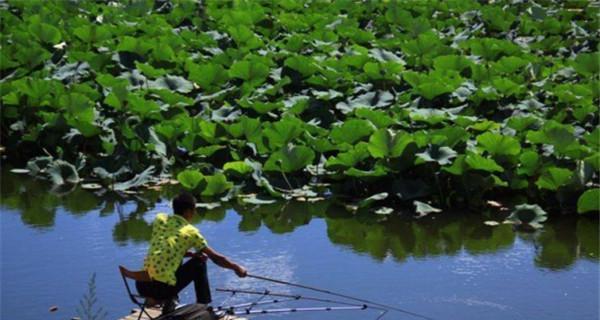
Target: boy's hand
point(240, 271)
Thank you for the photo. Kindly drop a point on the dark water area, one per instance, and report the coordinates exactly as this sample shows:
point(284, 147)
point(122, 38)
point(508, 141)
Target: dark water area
point(447, 266)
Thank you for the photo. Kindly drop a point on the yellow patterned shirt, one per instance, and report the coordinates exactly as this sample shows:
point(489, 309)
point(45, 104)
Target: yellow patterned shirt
point(172, 237)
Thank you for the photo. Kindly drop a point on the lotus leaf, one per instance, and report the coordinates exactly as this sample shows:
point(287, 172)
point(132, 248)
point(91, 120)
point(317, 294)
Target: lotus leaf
point(470, 98)
point(368, 201)
point(61, 172)
point(289, 159)
point(435, 153)
point(174, 83)
point(554, 178)
point(478, 162)
point(240, 168)
point(424, 209)
point(216, 185)
point(352, 131)
point(530, 214)
point(497, 144)
point(589, 201)
point(208, 76)
point(385, 143)
point(190, 178)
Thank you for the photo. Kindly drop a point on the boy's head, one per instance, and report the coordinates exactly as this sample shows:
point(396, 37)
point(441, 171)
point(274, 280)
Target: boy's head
point(183, 203)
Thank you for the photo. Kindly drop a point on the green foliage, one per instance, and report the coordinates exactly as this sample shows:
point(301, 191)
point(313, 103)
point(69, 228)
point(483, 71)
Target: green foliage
point(289, 159)
point(497, 144)
point(216, 185)
point(589, 201)
point(385, 143)
point(190, 178)
point(554, 178)
point(473, 99)
point(529, 214)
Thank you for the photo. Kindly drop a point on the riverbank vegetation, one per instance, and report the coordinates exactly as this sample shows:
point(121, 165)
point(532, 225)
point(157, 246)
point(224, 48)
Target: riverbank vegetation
point(383, 104)
point(564, 241)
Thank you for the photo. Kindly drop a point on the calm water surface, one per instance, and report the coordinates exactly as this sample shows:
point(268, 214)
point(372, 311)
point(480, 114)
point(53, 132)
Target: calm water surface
point(447, 266)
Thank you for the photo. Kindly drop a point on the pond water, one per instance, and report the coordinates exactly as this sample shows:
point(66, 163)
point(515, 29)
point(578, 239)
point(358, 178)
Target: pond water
point(448, 266)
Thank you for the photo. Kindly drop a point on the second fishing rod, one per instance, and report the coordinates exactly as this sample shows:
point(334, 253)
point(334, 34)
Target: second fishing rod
point(297, 285)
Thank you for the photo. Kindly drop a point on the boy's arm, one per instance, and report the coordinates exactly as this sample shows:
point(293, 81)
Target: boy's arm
point(224, 262)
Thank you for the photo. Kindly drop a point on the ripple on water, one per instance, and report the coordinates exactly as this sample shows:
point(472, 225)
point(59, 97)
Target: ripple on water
point(473, 266)
point(278, 265)
point(472, 302)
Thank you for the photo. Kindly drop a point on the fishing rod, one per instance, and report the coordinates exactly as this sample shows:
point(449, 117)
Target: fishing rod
point(296, 297)
point(339, 295)
point(254, 303)
point(292, 297)
point(290, 310)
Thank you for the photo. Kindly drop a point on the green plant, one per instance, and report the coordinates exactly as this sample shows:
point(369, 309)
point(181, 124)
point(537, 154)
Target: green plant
point(88, 309)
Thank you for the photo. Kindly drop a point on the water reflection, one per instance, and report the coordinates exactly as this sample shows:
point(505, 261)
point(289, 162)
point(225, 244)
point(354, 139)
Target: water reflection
point(562, 241)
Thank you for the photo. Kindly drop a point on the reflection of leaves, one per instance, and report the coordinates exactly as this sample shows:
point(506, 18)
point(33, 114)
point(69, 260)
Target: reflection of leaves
point(353, 233)
point(39, 211)
point(134, 229)
point(560, 243)
point(251, 221)
point(557, 246)
point(483, 239)
point(37, 206)
point(587, 236)
point(80, 201)
point(284, 217)
point(215, 214)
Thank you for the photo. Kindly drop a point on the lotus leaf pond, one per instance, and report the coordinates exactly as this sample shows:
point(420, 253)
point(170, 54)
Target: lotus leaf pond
point(436, 104)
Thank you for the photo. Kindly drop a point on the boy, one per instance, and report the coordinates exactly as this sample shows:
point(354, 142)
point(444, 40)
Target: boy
point(172, 237)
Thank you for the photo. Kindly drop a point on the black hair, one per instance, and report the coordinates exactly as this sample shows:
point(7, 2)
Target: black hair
point(184, 201)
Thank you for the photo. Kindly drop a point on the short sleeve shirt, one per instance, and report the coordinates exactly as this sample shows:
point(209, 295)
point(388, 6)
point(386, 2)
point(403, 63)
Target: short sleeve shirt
point(172, 237)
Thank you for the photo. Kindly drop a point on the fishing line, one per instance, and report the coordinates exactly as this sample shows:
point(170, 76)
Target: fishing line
point(339, 295)
point(257, 300)
point(226, 300)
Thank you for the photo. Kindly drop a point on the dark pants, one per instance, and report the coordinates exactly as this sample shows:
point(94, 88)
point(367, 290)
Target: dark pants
point(192, 270)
